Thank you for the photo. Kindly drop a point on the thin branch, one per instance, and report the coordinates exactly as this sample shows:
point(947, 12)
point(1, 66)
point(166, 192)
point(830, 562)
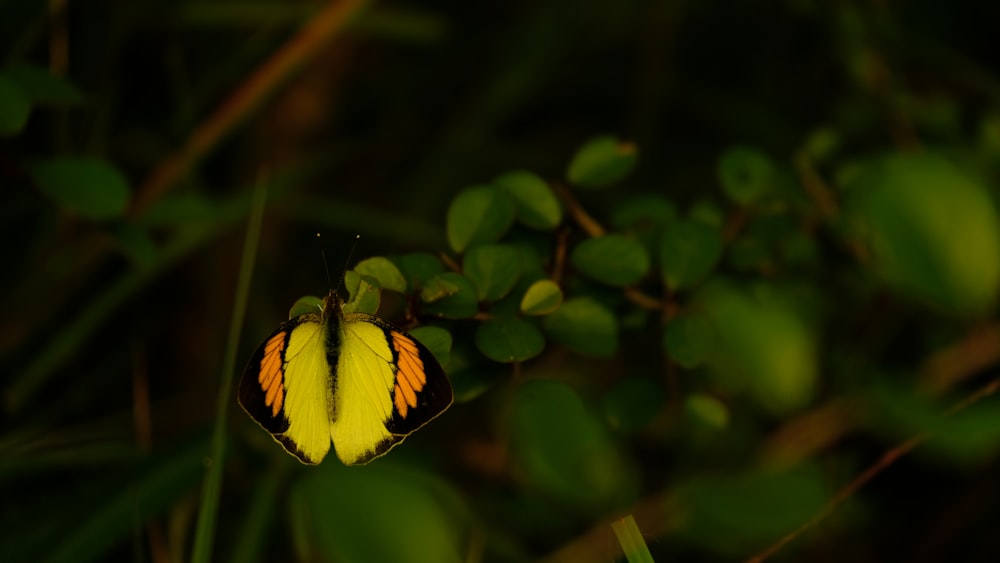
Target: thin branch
point(887, 459)
point(248, 98)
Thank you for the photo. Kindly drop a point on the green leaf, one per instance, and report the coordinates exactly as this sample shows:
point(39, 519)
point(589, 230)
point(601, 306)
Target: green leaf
point(425, 516)
point(632, 403)
point(763, 343)
point(563, 449)
point(450, 295)
point(177, 209)
point(708, 212)
point(631, 541)
point(471, 374)
point(932, 230)
point(689, 339)
point(746, 174)
point(308, 304)
point(724, 512)
point(643, 213)
point(417, 268)
point(437, 340)
point(613, 259)
point(90, 187)
point(15, 107)
point(537, 206)
point(541, 298)
point(382, 271)
point(493, 268)
point(601, 162)
point(708, 410)
point(509, 340)
point(43, 87)
point(585, 326)
point(479, 215)
point(365, 297)
point(688, 252)
point(136, 243)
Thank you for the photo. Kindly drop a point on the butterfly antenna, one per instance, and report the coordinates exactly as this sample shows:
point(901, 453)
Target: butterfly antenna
point(347, 262)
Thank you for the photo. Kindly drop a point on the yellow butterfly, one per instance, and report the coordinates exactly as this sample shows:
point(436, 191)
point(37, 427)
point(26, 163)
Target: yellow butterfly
point(351, 379)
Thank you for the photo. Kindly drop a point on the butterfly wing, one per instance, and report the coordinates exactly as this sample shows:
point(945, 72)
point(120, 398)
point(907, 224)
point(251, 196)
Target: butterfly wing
point(387, 385)
point(287, 388)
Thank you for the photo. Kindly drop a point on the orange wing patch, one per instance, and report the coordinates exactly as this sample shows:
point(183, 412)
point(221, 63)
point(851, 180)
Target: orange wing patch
point(271, 372)
point(410, 376)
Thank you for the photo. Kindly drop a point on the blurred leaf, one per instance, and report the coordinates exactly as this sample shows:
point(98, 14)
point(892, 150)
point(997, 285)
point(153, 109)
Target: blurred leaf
point(382, 271)
point(736, 514)
point(708, 410)
point(537, 206)
point(689, 250)
point(42, 87)
point(479, 215)
point(632, 403)
point(177, 209)
point(541, 298)
point(932, 230)
point(15, 107)
point(643, 212)
point(417, 268)
point(630, 538)
point(563, 449)
point(346, 515)
point(136, 243)
point(612, 259)
point(601, 162)
point(450, 295)
point(585, 326)
point(91, 187)
point(437, 340)
point(309, 304)
point(762, 343)
point(746, 174)
point(493, 268)
point(708, 212)
point(509, 340)
point(689, 339)
point(471, 374)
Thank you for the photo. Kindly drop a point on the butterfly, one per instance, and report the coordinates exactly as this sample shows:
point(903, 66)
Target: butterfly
point(350, 379)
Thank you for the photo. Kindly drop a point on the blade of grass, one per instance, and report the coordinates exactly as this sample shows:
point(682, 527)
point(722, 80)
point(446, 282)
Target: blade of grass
point(631, 540)
point(209, 506)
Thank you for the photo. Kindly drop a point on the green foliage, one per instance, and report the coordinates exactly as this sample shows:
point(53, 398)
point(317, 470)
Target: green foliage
point(537, 206)
point(477, 215)
point(601, 162)
point(541, 298)
point(612, 259)
point(688, 252)
point(89, 187)
point(746, 175)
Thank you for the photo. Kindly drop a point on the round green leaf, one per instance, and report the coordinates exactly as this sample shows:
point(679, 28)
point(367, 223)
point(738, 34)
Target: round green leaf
point(382, 271)
point(493, 268)
point(933, 231)
point(643, 213)
point(563, 449)
point(437, 340)
point(537, 206)
point(87, 186)
point(708, 410)
point(746, 175)
point(541, 298)
point(688, 251)
point(417, 267)
point(509, 340)
point(632, 403)
point(613, 259)
point(601, 162)
point(426, 517)
point(689, 339)
point(478, 215)
point(585, 326)
point(450, 295)
point(365, 297)
point(761, 343)
point(308, 304)
point(15, 107)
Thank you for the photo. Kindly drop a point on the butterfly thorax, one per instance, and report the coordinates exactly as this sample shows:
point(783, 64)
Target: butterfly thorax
point(332, 316)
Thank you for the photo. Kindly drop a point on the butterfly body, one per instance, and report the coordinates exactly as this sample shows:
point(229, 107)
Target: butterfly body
point(350, 379)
